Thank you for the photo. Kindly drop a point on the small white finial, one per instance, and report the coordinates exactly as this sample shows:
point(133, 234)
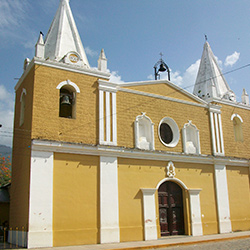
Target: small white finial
point(40, 46)
point(102, 55)
point(102, 62)
point(245, 97)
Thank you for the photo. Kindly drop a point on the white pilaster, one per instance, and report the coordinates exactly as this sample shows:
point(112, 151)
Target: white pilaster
point(222, 199)
point(114, 118)
point(213, 132)
point(40, 232)
point(101, 117)
point(195, 210)
point(221, 134)
point(109, 203)
point(108, 128)
point(149, 212)
point(217, 132)
point(107, 111)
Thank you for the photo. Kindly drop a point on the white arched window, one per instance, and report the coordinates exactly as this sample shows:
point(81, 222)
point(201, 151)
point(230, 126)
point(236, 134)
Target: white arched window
point(191, 139)
point(22, 109)
point(237, 124)
point(144, 132)
point(67, 99)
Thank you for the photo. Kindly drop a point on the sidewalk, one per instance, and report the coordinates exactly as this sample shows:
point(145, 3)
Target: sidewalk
point(154, 244)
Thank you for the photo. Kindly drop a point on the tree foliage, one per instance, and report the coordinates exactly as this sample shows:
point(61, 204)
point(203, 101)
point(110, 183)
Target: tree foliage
point(5, 170)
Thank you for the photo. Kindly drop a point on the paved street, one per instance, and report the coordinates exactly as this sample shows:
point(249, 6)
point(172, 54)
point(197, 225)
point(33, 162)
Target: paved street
point(242, 244)
point(227, 241)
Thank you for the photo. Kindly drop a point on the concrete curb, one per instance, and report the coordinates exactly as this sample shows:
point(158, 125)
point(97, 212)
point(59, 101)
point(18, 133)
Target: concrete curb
point(182, 243)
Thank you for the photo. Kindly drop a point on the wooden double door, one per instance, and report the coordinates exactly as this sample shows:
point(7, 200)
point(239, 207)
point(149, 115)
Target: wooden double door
point(171, 209)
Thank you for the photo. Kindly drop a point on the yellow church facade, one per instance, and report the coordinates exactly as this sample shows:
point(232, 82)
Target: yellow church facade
point(96, 161)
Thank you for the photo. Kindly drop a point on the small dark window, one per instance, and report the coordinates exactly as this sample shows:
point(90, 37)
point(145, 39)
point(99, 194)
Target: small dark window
point(166, 133)
point(66, 103)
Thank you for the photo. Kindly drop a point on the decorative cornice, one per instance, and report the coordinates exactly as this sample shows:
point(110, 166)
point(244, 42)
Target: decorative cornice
point(161, 97)
point(63, 66)
point(155, 82)
point(113, 151)
point(107, 86)
point(214, 108)
point(230, 103)
point(148, 191)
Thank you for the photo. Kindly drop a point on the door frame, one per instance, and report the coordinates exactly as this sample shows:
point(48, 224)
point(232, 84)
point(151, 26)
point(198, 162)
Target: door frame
point(184, 202)
point(191, 205)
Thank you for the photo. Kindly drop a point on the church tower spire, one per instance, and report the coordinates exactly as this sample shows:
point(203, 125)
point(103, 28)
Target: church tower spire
point(210, 82)
point(63, 38)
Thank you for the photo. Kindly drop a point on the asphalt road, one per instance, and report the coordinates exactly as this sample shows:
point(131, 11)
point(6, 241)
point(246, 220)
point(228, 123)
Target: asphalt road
point(242, 244)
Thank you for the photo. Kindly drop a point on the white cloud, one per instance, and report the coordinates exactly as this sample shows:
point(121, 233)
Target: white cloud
point(91, 52)
point(232, 59)
point(185, 80)
point(115, 77)
point(6, 116)
point(12, 12)
point(220, 63)
point(176, 78)
point(190, 75)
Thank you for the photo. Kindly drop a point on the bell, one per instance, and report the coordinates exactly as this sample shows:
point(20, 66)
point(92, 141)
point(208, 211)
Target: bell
point(65, 100)
point(162, 68)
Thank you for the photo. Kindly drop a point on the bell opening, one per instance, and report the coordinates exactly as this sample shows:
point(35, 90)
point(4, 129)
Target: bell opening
point(66, 100)
point(162, 67)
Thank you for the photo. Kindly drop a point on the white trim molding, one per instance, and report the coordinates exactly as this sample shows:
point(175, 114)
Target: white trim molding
point(22, 106)
point(237, 125)
point(68, 83)
point(137, 92)
point(155, 82)
point(40, 232)
point(24, 92)
point(144, 132)
point(149, 213)
point(191, 139)
point(176, 180)
point(195, 212)
point(109, 203)
point(175, 131)
point(102, 150)
point(63, 66)
point(222, 199)
point(238, 116)
point(195, 207)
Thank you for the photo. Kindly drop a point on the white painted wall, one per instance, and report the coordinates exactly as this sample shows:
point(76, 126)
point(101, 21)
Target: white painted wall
point(40, 232)
point(109, 203)
point(222, 199)
point(195, 210)
point(149, 213)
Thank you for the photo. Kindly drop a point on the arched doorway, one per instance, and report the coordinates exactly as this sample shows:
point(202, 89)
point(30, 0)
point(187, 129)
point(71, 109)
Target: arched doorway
point(171, 209)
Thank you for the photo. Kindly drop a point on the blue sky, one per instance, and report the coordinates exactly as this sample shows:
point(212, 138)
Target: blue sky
point(133, 33)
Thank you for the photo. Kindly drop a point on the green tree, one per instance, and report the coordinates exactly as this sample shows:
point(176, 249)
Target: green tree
point(5, 170)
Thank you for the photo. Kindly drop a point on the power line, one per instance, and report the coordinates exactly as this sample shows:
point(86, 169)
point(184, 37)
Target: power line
point(98, 119)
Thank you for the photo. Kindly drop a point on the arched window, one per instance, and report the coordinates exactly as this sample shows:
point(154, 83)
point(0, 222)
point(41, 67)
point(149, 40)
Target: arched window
point(144, 132)
point(67, 99)
point(237, 124)
point(191, 139)
point(22, 109)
